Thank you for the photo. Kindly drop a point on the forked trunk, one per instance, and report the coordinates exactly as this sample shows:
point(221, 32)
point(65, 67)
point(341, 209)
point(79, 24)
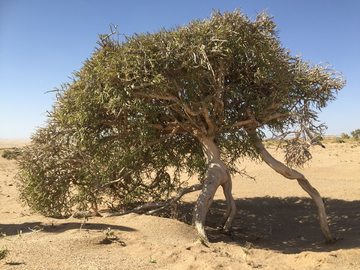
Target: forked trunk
point(303, 182)
point(217, 174)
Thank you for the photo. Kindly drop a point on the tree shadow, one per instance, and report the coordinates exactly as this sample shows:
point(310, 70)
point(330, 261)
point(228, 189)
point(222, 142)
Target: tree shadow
point(288, 225)
point(14, 263)
point(29, 227)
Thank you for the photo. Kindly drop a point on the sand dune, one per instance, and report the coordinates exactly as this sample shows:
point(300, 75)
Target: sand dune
point(13, 142)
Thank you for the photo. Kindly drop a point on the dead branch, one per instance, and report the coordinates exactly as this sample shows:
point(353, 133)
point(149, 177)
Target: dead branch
point(55, 90)
point(313, 140)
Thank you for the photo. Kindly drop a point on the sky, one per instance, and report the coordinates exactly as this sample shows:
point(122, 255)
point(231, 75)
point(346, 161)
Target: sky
point(43, 42)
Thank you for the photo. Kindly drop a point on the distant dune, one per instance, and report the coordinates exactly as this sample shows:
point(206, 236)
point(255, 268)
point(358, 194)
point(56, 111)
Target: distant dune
point(13, 142)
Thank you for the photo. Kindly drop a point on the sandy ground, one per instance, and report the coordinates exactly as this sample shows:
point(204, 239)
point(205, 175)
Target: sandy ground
point(276, 225)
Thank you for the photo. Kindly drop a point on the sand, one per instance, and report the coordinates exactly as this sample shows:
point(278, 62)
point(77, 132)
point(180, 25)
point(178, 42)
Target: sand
point(276, 225)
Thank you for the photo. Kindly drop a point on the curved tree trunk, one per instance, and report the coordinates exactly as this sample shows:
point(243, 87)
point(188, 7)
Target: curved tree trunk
point(303, 182)
point(217, 174)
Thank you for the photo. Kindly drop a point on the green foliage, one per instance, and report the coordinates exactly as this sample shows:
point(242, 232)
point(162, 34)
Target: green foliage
point(345, 136)
point(356, 134)
point(127, 126)
point(110, 236)
point(3, 252)
point(339, 140)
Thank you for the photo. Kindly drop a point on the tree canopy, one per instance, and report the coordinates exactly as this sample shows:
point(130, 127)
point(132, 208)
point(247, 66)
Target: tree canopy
point(138, 113)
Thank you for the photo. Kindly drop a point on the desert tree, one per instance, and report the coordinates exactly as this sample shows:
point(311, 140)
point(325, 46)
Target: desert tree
point(345, 136)
point(192, 99)
point(356, 134)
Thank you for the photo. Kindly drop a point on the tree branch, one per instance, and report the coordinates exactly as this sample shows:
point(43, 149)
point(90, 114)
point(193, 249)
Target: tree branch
point(169, 98)
point(209, 122)
point(303, 182)
point(158, 205)
point(174, 131)
point(275, 116)
point(240, 124)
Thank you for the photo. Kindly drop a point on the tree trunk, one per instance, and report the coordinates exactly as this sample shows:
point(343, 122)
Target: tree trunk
point(303, 182)
point(217, 174)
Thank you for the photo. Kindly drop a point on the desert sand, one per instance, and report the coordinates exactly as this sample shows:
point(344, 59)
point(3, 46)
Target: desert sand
point(276, 225)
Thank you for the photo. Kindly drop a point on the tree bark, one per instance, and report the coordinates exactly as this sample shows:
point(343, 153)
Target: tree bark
point(303, 182)
point(216, 175)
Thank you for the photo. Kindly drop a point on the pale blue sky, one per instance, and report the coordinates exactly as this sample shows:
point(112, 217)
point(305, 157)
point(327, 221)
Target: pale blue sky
point(42, 42)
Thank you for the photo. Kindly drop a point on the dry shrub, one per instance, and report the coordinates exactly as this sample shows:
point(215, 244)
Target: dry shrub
point(296, 153)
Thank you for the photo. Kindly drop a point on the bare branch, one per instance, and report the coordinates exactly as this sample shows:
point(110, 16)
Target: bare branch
point(55, 90)
point(313, 140)
point(159, 205)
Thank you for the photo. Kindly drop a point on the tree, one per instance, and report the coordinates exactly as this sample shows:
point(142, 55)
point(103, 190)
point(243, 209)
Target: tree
point(356, 134)
point(191, 99)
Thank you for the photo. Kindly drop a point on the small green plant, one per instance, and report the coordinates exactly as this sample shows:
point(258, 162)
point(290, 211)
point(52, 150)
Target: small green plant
point(246, 250)
point(3, 252)
point(109, 233)
point(2, 234)
point(110, 237)
point(19, 234)
point(202, 241)
point(151, 260)
point(345, 136)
